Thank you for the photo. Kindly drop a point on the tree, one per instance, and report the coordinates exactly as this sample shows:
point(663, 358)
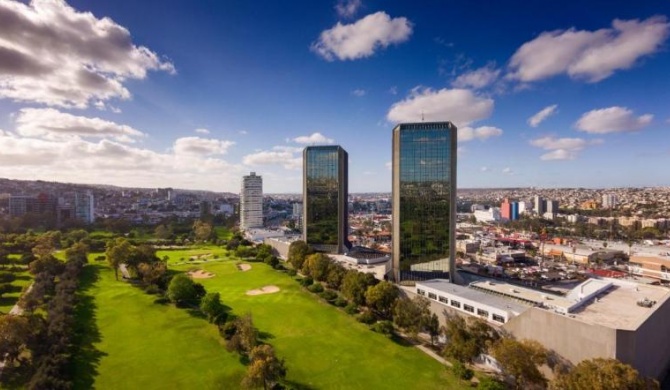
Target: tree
point(153, 273)
point(163, 232)
point(316, 266)
point(244, 336)
point(297, 252)
point(335, 275)
point(203, 231)
point(466, 340)
point(381, 298)
point(118, 251)
point(433, 328)
point(602, 374)
point(411, 314)
point(521, 360)
point(212, 307)
point(265, 369)
point(18, 335)
point(47, 243)
point(354, 286)
point(182, 289)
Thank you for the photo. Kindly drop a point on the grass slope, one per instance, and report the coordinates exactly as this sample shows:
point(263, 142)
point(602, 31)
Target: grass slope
point(324, 347)
point(129, 342)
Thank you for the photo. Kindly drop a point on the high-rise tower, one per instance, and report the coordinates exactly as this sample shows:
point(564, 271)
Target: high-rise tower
point(325, 194)
point(251, 202)
point(424, 200)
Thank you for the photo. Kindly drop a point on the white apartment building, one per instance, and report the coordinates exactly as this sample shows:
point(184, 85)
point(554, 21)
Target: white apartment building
point(251, 202)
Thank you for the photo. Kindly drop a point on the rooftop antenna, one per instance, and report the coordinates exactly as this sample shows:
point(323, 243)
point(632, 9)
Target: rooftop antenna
point(422, 118)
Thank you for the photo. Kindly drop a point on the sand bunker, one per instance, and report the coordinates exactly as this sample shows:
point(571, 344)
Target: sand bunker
point(264, 290)
point(200, 257)
point(200, 274)
point(244, 267)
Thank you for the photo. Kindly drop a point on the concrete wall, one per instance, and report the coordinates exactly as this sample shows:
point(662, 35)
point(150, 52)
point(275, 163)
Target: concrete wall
point(572, 339)
point(648, 349)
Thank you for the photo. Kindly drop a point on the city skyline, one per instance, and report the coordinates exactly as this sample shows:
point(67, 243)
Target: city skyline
point(566, 95)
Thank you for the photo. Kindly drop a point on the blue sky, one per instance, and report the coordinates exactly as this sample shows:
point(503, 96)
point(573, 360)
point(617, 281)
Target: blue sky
point(195, 94)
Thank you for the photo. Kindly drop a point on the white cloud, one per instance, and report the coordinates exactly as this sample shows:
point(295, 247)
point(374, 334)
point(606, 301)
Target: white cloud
point(460, 106)
point(393, 90)
point(362, 38)
point(358, 92)
point(202, 131)
point(484, 169)
point(50, 123)
point(507, 171)
point(315, 138)
point(243, 132)
point(201, 146)
point(51, 53)
point(543, 114)
point(389, 165)
point(109, 162)
point(478, 78)
point(482, 133)
point(588, 55)
point(612, 120)
point(287, 157)
point(348, 8)
point(562, 148)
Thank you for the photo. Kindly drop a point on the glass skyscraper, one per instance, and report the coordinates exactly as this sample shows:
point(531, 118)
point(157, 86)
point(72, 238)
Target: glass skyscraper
point(325, 198)
point(424, 200)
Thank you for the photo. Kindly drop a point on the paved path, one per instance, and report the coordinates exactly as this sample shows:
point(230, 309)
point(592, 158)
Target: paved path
point(124, 271)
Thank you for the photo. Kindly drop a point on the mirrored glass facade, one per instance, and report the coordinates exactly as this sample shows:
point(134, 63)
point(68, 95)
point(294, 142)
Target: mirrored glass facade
point(424, 194)
point(325, 193)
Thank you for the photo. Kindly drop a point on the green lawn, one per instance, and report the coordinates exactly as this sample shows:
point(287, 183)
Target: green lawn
point(23, 279)
point(131, 342)
point(196, 254)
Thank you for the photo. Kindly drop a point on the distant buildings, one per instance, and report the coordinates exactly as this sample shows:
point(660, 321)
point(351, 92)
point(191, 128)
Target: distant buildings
point(325, 197)
point(424, 200)
point(84, 207)
point(609, 201)
point(509, 211)
point(251, 202)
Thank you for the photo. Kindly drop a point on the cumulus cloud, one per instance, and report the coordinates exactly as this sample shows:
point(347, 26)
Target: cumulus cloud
point(612, 120)
point(50, 123)
point(543, 114)
point(52, 54)
point(348, 8)
point(201, 146)
point(362, 38)
point(460, 106)
point(110, 162)
point(287, 157)
point(482, 133)
point(202, 131)
point(562, 148)
point(588, 55)
point(358, 92)
point(479, 78)
point(314, 138)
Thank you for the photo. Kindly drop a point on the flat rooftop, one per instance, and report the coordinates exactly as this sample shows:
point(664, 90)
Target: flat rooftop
point(617, 307)
point(527, 295)
point(475, 295)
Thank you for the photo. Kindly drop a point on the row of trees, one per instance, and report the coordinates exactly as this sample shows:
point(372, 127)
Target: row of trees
point(39, 341)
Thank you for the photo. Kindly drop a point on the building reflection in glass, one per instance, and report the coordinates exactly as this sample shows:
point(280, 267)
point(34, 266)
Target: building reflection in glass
point(424, 189)
point(325, 193)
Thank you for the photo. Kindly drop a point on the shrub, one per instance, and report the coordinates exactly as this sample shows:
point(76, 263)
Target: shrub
point(328, 295)
point(291, 272)
point(307, 281)
point(488, 383)
point(367, 317)
point(383, 327)
point(100, 258)
point(316, 288)
point(340, 302)
point(351, 309)
point(152, 289)
point(7, 277)
point(461, 371)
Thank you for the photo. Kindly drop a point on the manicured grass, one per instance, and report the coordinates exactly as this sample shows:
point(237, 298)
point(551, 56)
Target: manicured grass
point(198, 253)
point(323, 346)
point(23, 279)
point(129, 342)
